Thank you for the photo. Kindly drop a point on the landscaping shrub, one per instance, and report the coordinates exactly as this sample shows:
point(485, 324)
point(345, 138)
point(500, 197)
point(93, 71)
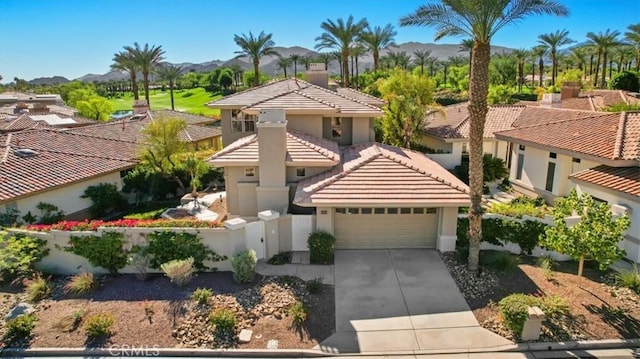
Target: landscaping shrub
point(105, 198)
point(546, 263)
point(19, 253)
point(140, 259)
point(321, 246)
point(526, 233)
point(447, 97)
point(165, 246)
point(81, 283)
point(19, 328)
point(49, 213)
point(244, 265)
point(280, 258)
point(502, 261)
point(314, 286)
point(520, 207)
point(202, 295)
point(105, 251)
point(554, 305)
point(494, 168)
point(629, 279)
point(70, 323)
point(37, 288)
point(9, 218)
point(514, 310)
point(99, 325)
point(223, 319)
point(298, 313)
point(626, 80)
point(179, 271)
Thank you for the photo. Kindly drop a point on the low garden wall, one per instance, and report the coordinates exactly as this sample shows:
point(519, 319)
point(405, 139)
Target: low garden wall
point(224, 241)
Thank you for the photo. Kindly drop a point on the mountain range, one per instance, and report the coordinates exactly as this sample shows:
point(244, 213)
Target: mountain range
point(269, 64)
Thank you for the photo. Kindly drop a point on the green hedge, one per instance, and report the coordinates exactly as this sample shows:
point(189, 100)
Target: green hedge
point(526, 233)
point(106, 251)
point(321, 247)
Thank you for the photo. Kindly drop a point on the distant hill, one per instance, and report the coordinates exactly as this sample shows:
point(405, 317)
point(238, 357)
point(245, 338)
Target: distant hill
point(55, 80)
point(269, 64)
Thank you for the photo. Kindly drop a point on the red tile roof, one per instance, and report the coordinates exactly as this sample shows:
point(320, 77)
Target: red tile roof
point(613, 136)
point(27, 121)
point(301, 147)
point(360, 96)
point(378, 174)
point(62, 158)
point(622, 179)
point(455, 123)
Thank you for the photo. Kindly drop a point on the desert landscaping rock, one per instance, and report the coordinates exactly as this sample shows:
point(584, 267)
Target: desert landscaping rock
point(472, 286)
point(245, 336)
point(18, 310)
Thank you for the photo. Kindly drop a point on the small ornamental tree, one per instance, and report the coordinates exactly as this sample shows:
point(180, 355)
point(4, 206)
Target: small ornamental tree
point(595, 237)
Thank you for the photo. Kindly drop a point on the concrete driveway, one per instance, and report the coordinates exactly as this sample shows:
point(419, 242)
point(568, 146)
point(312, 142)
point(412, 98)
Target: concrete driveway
point(399, 300)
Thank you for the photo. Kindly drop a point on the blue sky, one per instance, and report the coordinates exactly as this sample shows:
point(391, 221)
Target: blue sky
point(75, 37)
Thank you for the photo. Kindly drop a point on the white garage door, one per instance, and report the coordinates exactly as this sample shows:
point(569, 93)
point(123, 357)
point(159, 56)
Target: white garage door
point(357, 228)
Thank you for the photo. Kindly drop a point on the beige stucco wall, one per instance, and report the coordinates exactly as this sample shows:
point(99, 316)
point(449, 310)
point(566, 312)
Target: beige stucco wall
point(240, 189)
point(66, 198)
point(447, 225)
point(324, 219)
point(308, 124)
point(436, 143)
point(361, 131)
point(229, 137)
point(310, 171)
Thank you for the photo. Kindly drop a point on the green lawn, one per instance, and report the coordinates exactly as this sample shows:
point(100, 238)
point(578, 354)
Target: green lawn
point(192, 101)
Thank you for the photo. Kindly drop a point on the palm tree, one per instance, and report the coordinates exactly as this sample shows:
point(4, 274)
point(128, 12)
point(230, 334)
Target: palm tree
point(171, 74)
point(377, 39)
point(521, 56)
point(306, 61)
point(633, 36)
point(284, 63)
point(554, 40)
point(237, 74)
point(399, 58)
point(480, 20)
point(123, 61)
point(338, 56)
point(147, 58)
point(355, 52)
point(432, 62)
point(326, 58)
point(603, 42)
point(579, 55)
point(457, 61)
point(466, 45)
point(295, 58)
point(420, 59)
point(625, 51)
point(540, 52)
point(255, 48)
point(341, 35)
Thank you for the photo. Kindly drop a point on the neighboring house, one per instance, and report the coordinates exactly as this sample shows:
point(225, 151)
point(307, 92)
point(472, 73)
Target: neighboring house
point(56, 167)
point(311, 150)
point(130, 129)
point(599, 155)
point(19, 108)
point(41, 116)
point(9, 98)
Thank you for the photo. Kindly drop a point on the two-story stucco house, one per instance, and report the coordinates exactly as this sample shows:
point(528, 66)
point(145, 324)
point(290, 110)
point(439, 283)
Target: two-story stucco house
point(298, 147)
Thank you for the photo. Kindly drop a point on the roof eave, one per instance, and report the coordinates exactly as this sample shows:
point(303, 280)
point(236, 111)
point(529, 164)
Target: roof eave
point(627, 195)
point(322, 163)
point(232, 163)
point(311, 203)
point(295, 111)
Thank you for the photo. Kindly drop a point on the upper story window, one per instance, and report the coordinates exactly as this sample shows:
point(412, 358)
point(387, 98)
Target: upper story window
point(250, 172)
point(241, 122)
point(301, 172)
point(336, 128)
point(553, 155)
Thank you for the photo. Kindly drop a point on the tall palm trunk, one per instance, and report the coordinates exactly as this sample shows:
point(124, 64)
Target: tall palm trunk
point(591, 65)
point(376, 59)
point(256, 71)
point(134, 86)
point(595, 81)
point(173, 108)
point(345, 68)
point(478, 91)
point(533, 73)
point(357, 73)
point(541, 68)
point(610, 68)
point(554, 67)
point(145, 82)
point(604, 68)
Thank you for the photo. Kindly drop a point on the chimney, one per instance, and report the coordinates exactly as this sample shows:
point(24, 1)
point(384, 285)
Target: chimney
point(39, 108)
point(140, 107)
point(551, 100)
point(318, 75)
point(21, 107)
point(272, 191)
point(569, 90)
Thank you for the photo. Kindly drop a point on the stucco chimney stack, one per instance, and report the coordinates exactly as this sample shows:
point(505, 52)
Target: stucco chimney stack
point(551, 100)
point(569, 90)
point(318, 75)
point(140, 107)
point(272, 191)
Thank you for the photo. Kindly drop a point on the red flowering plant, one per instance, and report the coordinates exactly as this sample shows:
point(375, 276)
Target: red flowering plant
point(123, 223)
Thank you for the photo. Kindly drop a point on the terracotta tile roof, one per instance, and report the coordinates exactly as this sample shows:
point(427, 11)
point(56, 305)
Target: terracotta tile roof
point(301, 147)
point(622, 179)
point(61, 109)
point(293, 94)
point(613, 136)
point(62, 158)
point(378, 174)
point(39, 120)
point(584, 103)
point(500, 117)
point(535, 115)
point(361, 96)
point(607, 97)
point(130, 129)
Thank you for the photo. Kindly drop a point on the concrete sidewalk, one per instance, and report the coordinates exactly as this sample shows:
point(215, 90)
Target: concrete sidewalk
point(401, 300)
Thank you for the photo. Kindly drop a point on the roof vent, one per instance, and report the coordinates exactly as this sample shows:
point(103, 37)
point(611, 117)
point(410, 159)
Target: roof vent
point(25, 152)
